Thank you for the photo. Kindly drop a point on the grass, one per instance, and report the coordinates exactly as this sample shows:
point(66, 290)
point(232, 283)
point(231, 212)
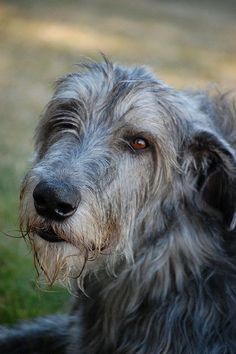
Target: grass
point(188, 43)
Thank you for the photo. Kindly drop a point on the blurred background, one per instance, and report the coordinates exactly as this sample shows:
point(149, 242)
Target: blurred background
point(188, 43)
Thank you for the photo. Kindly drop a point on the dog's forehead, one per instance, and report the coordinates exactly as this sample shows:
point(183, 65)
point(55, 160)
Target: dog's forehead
point(130, 94)
point(110, 99)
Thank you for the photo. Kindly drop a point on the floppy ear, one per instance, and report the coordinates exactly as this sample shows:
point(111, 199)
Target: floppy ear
point(214, 166)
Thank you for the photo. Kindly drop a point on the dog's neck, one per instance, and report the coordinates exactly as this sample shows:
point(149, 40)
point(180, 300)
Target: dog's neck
point(181, 286)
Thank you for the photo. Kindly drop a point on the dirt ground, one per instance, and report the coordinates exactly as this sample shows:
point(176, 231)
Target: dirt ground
point(188, 44)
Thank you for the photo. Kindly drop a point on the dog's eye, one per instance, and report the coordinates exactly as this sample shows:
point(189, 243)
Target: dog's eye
point(139, 143)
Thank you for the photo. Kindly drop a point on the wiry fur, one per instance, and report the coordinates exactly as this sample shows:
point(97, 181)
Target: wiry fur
point(152, 242)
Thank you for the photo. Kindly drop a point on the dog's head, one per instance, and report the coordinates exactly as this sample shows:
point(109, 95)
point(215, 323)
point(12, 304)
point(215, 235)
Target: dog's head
point(116, 152)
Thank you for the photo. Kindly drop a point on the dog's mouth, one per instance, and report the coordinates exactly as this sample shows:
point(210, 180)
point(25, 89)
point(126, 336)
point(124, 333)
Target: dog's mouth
point(49, 235)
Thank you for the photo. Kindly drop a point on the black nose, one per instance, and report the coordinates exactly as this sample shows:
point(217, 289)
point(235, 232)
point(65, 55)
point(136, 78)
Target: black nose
point(56, 200)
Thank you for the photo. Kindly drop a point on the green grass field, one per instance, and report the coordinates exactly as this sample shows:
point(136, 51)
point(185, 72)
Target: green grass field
point(188, 44)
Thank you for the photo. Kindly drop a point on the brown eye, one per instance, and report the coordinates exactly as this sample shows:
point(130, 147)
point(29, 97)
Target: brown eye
point(139, 143)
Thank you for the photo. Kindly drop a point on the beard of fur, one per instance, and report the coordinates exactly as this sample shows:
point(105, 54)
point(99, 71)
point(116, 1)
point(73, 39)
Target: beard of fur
point(60, 263)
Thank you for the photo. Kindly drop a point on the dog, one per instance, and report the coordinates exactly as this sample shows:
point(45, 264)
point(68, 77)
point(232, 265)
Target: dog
point(131, 202)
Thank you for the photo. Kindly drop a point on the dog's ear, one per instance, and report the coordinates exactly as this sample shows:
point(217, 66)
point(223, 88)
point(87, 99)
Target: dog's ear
point(214, 168)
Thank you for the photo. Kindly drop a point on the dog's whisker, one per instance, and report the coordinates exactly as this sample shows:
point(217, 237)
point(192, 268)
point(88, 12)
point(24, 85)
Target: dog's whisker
point(7, 234)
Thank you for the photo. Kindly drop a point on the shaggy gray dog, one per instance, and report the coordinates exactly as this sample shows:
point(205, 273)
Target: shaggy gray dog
point(131, 200)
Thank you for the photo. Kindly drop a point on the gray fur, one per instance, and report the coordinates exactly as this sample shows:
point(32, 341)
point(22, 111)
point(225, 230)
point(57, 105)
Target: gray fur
point(151, 247)
point(41, 336)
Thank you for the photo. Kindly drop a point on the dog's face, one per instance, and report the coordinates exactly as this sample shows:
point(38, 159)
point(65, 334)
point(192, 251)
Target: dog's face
point(101, 155)
point(107, 150)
